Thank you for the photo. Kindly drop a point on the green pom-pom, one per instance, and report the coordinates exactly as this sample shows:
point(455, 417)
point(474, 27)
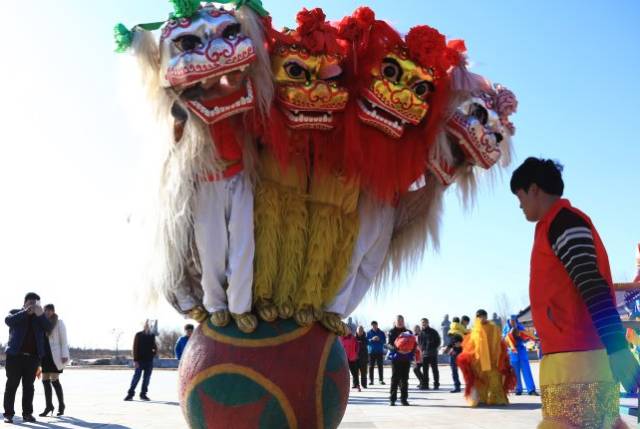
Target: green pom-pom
point(184, 8)
point(123, 37)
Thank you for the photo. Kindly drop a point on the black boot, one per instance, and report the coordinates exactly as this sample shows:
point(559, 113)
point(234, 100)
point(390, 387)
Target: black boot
point(48, 398)
point(60, 394)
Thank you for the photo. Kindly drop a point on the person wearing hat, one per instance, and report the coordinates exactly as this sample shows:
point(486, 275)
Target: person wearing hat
point(516, 337)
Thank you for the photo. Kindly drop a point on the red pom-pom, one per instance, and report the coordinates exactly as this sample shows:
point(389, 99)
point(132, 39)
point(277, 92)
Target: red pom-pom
point(427, 46)
point(315, 33)
point(454, 53)
point(310, 20)
point(365, 16)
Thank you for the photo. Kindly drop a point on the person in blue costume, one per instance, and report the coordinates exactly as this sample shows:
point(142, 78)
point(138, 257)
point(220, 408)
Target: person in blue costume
point(516, 336)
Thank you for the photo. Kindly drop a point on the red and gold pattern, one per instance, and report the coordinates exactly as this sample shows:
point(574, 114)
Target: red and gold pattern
point(281, 375)
point(207, 55)
point(306, 76)
point(401, 92)
point(397, 94)
point(305, 90)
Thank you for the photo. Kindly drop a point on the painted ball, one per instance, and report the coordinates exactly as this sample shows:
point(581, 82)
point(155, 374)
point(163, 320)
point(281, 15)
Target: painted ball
point(280, 376)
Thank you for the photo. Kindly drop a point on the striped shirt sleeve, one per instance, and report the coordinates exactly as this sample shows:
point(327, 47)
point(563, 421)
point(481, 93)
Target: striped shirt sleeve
point(572, 241)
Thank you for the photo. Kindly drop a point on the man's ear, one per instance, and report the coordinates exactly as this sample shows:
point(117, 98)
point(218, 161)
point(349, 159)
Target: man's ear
point(534, 190)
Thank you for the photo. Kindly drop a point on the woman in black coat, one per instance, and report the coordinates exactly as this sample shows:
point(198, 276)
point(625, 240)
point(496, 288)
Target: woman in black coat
point(363, 355)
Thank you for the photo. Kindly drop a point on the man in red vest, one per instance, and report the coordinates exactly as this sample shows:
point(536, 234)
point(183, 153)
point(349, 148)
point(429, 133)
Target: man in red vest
point(573, 307)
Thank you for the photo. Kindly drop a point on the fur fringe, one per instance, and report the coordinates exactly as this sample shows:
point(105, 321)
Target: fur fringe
point(324, 234)
point(268, 239)
point(464, 361)
point(295, 218)
point(342, 260)
point(417, 225)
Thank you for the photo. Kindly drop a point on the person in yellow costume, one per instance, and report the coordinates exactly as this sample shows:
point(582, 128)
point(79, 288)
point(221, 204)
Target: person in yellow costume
point(485, 364)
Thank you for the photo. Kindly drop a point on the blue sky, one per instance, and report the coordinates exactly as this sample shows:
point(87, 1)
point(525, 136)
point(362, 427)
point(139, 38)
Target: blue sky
point(71, 155)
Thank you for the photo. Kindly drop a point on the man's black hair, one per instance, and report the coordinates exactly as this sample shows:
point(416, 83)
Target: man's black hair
point(466, 319)
point(374, 322)
point(188, 326)
point(31, 295)
point(481, 313)
point(545, 173)
point(456, 319)
point(425, 319)
point(50, 307)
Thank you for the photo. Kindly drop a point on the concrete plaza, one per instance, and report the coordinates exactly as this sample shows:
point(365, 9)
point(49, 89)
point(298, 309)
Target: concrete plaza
point(95, 400)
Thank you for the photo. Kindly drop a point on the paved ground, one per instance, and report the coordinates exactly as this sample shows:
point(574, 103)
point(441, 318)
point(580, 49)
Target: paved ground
point(94, 400)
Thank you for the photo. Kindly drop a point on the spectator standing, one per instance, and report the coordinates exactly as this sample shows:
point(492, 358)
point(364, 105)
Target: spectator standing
point(465, 322)
point(55, 358)
point(429, 341)
point(456, 334)
point(182, 341)
point(352, 326)
point(25, 349)
point(497, 320)
point(144, 350)
point(350, 345)
point(402, 344)
point(376, 339)
point(444, 328)
point(363, 355)
point(417, 368)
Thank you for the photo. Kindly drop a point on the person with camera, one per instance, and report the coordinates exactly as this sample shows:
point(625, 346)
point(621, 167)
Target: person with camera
point(26, 347)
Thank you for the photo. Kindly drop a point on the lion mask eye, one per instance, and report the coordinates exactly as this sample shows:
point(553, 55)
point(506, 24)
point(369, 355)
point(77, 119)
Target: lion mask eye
point(391, 70)
point(187, 42)
point(231, 32)
point(296, 71)
point(480, 113)
point(422, 89)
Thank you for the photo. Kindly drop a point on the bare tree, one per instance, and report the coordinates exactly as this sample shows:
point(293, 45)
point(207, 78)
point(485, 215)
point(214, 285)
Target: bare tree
point(503, 306)
point(166, 342)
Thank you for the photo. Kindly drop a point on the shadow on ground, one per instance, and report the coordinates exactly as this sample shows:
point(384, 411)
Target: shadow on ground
point(78, 423)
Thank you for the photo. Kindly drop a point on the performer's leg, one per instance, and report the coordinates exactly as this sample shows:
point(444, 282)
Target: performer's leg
point(381, 227)
point(211, 240)
point(241, 245)
point(515, 363)
point(526, 372)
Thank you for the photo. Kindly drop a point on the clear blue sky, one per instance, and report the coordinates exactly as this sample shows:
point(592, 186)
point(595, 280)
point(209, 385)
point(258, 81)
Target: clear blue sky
point(70, 156)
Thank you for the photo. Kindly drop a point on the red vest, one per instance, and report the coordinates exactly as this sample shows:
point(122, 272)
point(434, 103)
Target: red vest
point(560, 316)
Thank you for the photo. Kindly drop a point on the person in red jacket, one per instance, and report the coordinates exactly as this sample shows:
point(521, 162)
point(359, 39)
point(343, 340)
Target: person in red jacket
point(351, 347)
point(573, 307)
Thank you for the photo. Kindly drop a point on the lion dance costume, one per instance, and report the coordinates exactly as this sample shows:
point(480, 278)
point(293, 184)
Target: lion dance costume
point(301, 167)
